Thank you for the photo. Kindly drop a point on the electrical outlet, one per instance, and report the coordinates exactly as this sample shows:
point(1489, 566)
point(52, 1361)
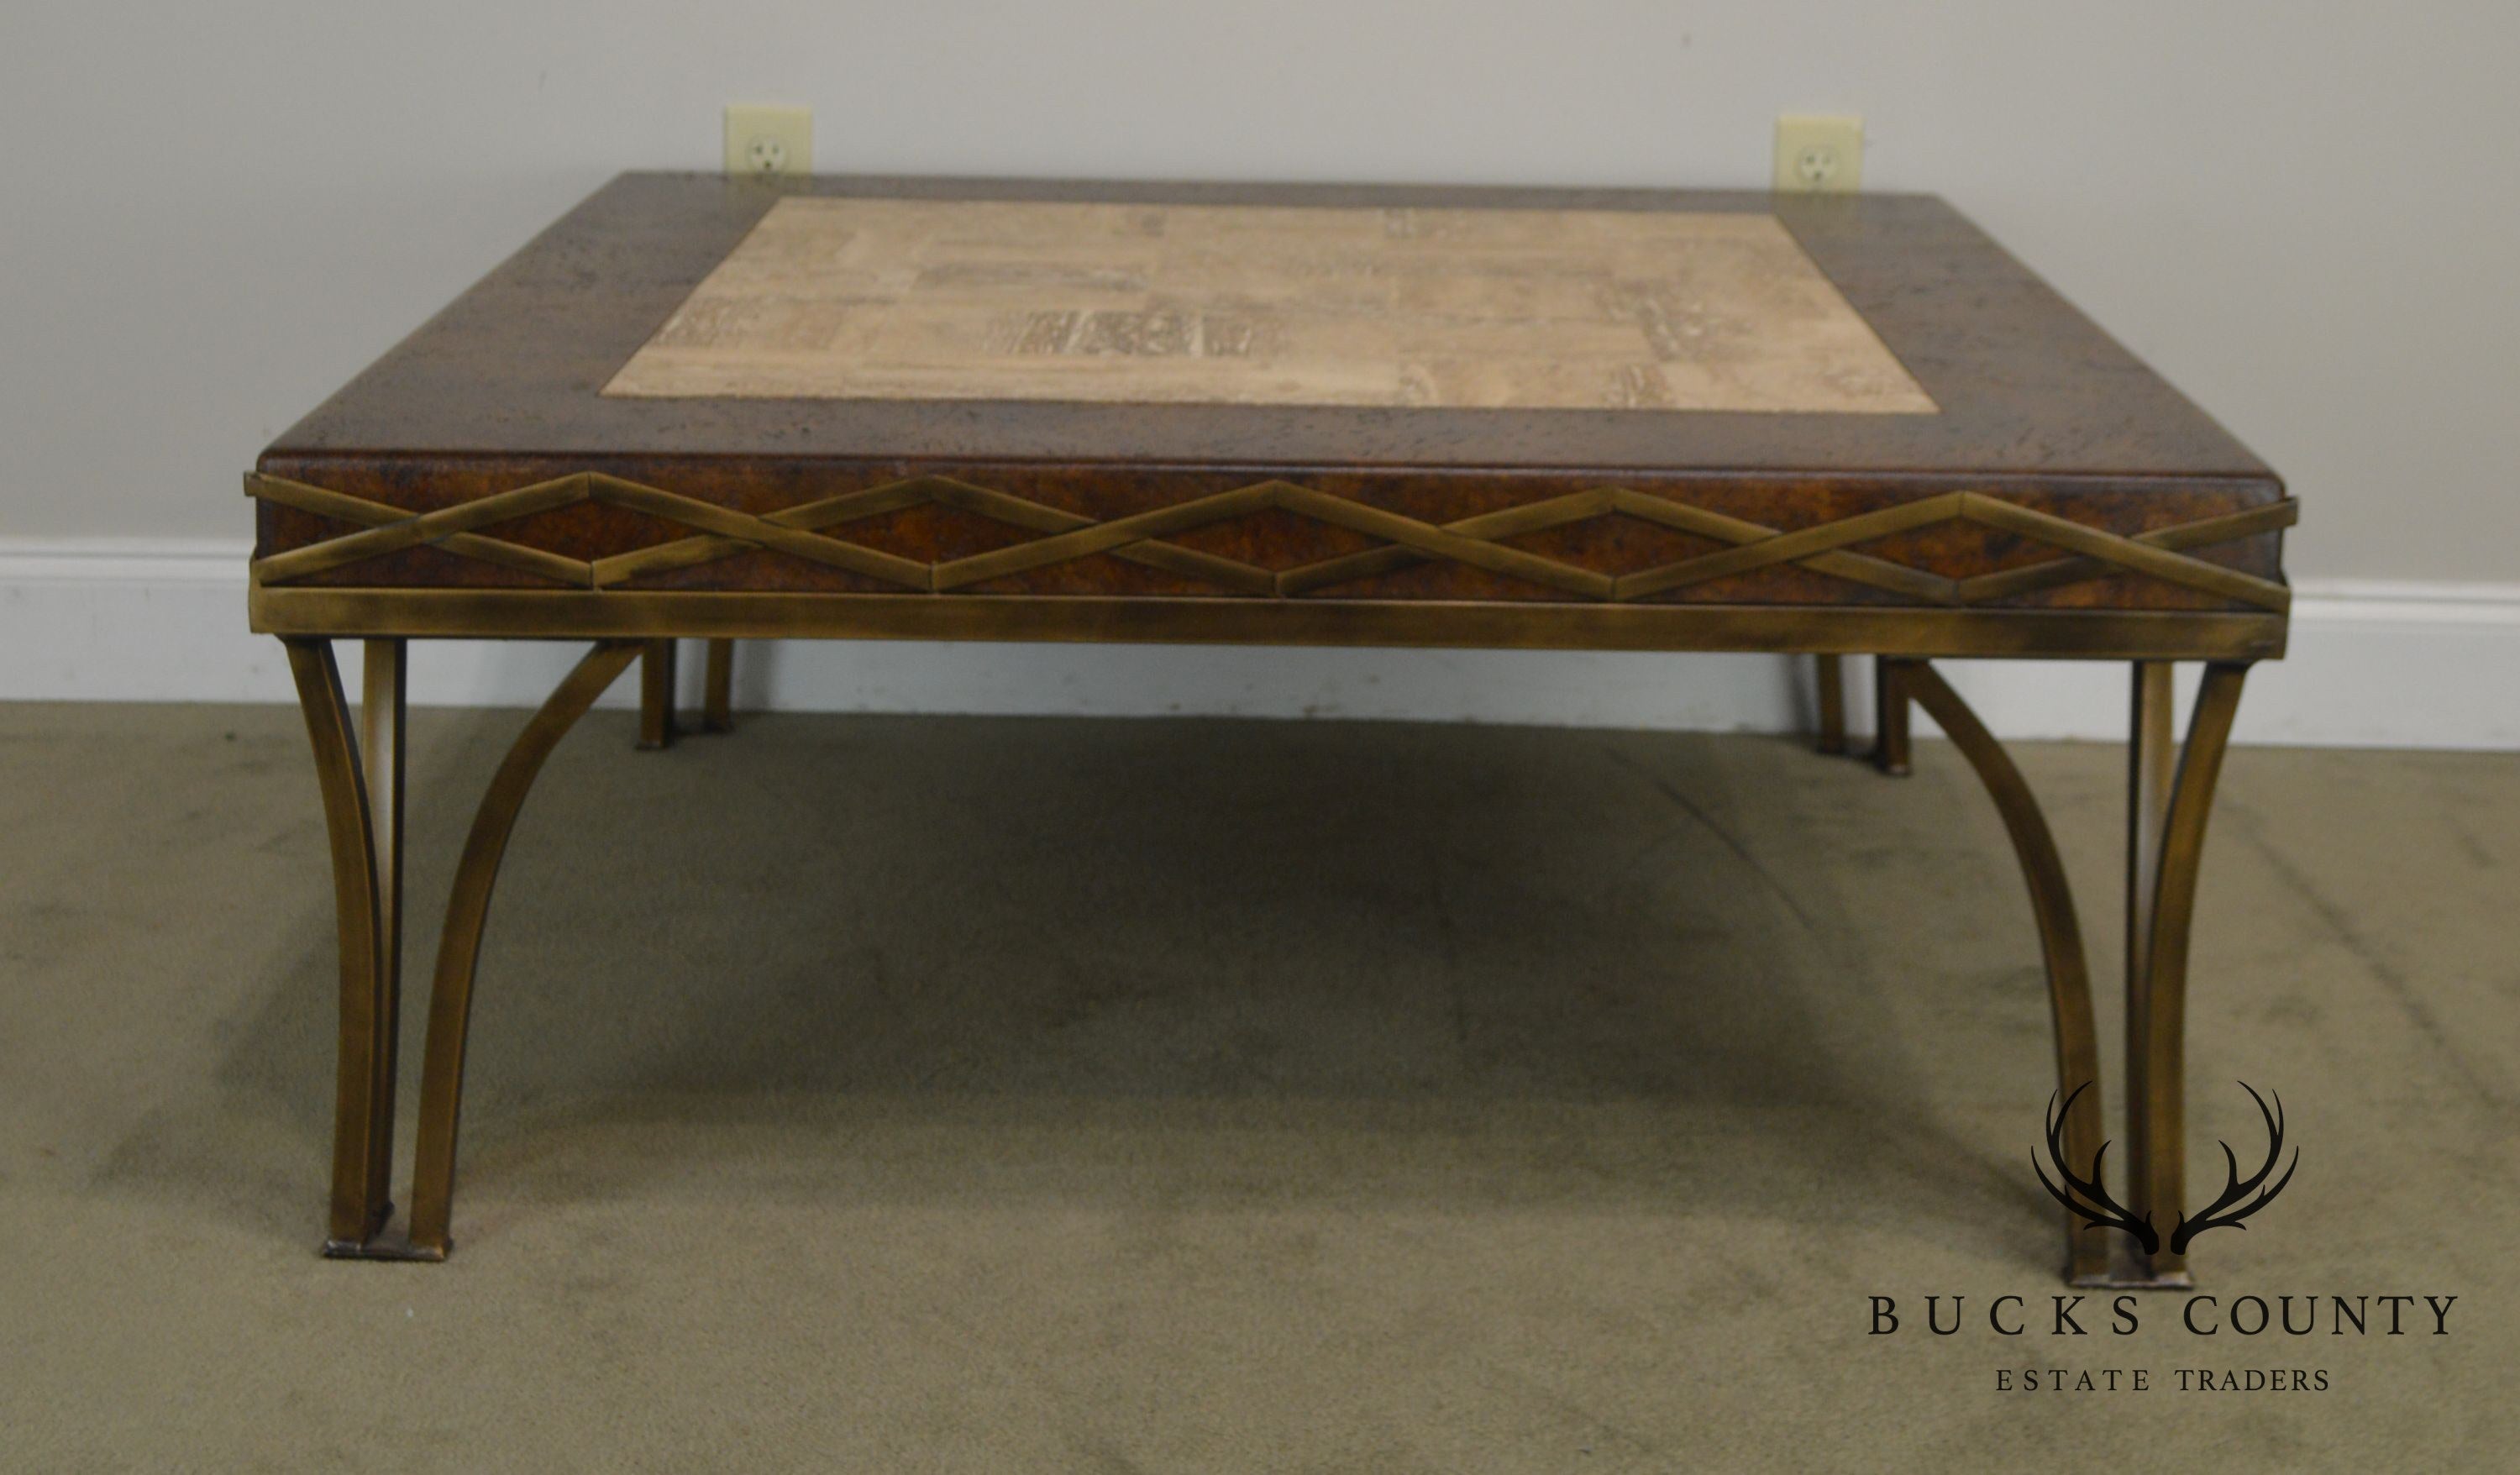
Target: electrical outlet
point(1818, 154)
point(765, 139)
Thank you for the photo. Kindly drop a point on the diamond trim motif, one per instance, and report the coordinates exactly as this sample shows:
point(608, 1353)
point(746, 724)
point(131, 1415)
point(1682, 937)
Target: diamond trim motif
point(803, 531)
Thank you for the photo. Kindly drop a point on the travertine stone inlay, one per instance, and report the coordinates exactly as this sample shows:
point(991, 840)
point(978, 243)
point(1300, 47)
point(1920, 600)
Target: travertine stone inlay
point(1272, 305)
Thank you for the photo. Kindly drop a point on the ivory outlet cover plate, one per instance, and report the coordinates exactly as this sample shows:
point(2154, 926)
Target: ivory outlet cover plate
point(764, 138)
point(1818, 154)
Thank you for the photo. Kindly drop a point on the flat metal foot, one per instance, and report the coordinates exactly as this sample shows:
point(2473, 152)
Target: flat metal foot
point(383, 1247)
point(2168, 1281)
point(386, 1242)
point(2124, 1267)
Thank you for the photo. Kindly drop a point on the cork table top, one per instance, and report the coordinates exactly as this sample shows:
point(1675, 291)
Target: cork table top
point(1247, 304)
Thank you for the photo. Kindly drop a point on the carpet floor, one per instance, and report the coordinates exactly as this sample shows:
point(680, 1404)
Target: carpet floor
point(981, 1095)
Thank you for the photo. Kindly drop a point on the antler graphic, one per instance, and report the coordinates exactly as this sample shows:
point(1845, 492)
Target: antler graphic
point(2235, 1187)
point(2111, 1214)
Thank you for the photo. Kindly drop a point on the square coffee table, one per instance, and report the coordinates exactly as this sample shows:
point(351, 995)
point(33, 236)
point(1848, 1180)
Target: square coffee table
point(851, 408)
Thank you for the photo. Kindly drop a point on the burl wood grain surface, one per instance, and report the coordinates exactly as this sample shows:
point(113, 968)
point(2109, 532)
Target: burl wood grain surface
point(1152, 303)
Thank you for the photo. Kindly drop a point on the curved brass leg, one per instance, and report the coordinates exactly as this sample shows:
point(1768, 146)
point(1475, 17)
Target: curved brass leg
point(717, 692)
point(1890, 716)
point(1830, 676)
point(363, 1079)
point(2157, 1113)
point(656, 696)
point(382, 683)
point(2152, 757)
point(468, 909)
point(2060, 935)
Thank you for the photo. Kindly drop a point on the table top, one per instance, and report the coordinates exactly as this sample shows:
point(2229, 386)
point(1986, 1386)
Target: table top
point(1293, 394)
point(2014, 378)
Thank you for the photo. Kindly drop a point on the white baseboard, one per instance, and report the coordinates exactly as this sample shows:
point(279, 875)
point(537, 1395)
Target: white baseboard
point(2371, 664)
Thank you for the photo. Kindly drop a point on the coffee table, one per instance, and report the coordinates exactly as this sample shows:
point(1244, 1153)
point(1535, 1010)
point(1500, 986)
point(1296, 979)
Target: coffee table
point(851, 408)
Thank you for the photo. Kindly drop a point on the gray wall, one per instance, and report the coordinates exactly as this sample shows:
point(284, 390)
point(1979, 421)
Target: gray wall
point(2306, 214)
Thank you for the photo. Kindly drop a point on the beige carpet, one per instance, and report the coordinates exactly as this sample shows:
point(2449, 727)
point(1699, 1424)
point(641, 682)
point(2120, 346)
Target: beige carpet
point(909, 1094)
